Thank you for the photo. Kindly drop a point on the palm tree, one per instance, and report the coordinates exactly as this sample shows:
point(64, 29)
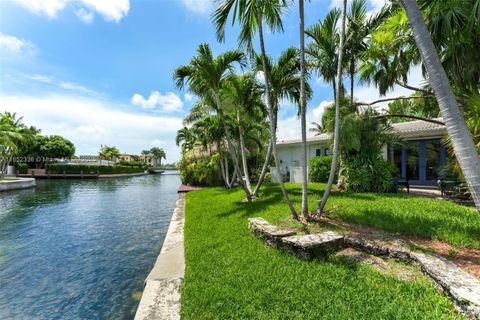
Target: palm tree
point(205, 76)
point(303, 111)
point(323, 51)
point(284, 85)
point(13, 133)
point(323, 202)
point(316, 128)
point(460, 136)
point(252, 14)
point(242, 91)
point(185, 138)
point(109, 153)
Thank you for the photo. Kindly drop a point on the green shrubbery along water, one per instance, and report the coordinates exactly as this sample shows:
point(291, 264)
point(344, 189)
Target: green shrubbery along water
point(200, 171)
point(87, 169)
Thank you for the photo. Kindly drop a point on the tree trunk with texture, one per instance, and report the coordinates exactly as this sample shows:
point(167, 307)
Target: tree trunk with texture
point(303, 112)
point(460, 135)
point(336, 134)
point(272, 118)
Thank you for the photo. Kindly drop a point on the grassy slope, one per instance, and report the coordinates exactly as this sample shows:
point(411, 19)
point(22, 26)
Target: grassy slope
point(232, 275)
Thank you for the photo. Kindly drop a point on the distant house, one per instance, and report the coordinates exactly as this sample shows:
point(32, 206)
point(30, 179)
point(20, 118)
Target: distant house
point(128, 157)
point(419, 161)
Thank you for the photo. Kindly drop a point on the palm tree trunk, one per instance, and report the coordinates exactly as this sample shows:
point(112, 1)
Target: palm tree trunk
point(458, 131)
point(264, 169)
point(227, 172)
point(242, 153)
point(303, 112)
point(232, 151)
point(352, 80)
point(321, 204)
point(273, 132)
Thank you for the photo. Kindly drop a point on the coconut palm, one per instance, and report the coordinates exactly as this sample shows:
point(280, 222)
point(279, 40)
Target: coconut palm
point(460, 136)
point(316, 128)
point(252, 15)
point(323, 202)
point(205, 76)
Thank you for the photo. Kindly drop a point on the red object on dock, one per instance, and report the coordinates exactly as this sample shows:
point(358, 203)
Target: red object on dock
point(184, 188)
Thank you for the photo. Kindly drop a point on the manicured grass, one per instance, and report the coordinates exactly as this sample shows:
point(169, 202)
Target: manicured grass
point(232, 275)
point(7, 179)
point(411, 215)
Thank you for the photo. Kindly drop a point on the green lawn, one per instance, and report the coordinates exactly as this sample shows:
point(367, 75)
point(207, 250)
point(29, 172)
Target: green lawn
point(7, 179)
point(403, 213)
point(232, 275)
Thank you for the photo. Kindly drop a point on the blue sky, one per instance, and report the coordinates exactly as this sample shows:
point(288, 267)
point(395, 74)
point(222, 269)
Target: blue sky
point(100, 72)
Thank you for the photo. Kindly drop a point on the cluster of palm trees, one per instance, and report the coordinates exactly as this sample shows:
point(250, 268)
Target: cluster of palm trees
point(378, 49)
point(13, 134)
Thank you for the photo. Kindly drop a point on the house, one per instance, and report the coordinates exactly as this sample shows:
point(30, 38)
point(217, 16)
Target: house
point(419, 160)
point(128, 157)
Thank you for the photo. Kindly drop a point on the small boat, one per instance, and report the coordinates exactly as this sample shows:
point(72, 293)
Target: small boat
point(155, 171)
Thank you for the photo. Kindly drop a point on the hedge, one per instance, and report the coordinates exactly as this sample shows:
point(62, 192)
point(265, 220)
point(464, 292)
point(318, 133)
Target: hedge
point(86, 169)
point(320, 168)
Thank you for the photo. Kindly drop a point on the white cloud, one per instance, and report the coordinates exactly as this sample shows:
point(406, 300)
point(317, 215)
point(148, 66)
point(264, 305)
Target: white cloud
point(14, 47)
point(39, 77)
point(84, 15)
point(90, 122)
point(200, 7)
point(168, 102)
point(111, 10)
point(50, 8)
point(75, 87)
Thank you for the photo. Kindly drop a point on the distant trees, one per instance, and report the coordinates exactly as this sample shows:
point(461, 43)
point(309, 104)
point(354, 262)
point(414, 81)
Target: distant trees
point(158, 154)
point(13, 133)
point(109, 153)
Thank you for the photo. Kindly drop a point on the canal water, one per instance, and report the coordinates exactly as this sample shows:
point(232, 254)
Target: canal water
point(81, 249)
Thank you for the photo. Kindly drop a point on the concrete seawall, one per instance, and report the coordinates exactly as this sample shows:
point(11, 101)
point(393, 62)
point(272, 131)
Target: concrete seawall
point(161, 295)
point(17, 184)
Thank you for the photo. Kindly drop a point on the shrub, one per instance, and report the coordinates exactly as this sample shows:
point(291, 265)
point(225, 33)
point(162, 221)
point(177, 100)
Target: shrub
point(86, 169)
point(132, 164)
point(203, 171)
point(320, 169)
point(21, 167)
point(368, 174)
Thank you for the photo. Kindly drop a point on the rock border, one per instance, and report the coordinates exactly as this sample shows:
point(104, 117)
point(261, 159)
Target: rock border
point(161, 295)
point(461, 287)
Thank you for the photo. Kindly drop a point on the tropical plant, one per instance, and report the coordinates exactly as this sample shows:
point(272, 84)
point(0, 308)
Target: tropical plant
point(458, 131)
point(252, 15)
point(13, 133)
point(323, 202)
point(205, 76)
point(109, 153)
point(284, 79)
point(316, 128)
point(320, 168)
point(303, 111)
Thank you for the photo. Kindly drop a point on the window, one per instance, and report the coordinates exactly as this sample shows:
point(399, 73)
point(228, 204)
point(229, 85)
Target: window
point(318, 152)
point(327, 151)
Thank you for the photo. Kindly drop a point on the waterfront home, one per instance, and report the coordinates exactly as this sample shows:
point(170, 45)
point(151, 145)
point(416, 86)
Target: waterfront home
point(418, 160)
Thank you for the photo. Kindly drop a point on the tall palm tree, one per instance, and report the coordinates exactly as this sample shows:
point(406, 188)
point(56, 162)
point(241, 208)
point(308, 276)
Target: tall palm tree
point(110, 153)
point(284, 85)
point(205, 76)
point(242, 92)
point(13, 133)
point(322, 52)
point(251, 15)
point(460, 136)
point(323, 202)
point(303, 111)
point(158, 153)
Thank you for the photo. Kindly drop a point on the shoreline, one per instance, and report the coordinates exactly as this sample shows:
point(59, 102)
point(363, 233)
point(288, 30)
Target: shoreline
point(17, 184)
point(161, 293)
